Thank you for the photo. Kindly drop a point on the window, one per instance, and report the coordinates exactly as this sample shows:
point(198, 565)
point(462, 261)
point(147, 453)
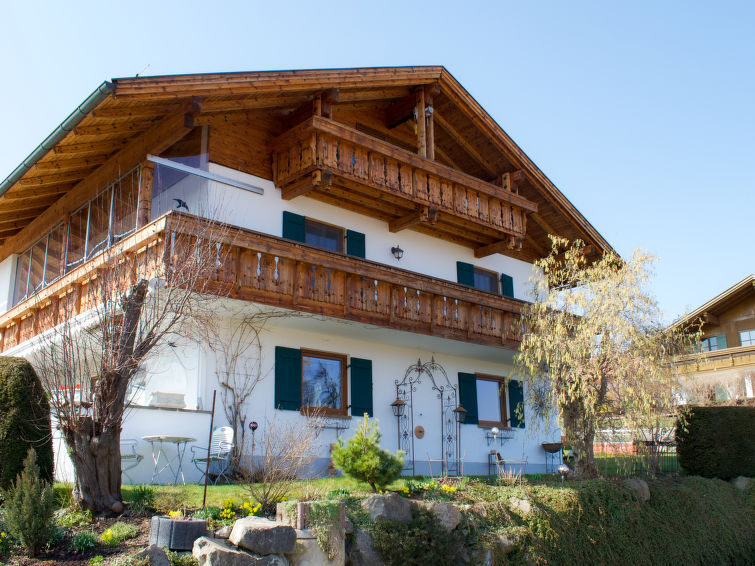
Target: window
point(491, 400)
point(323, 383)
point(323, 235)
point(712, 343)
point(326, 236)
point(483, 279)
point(746, 337)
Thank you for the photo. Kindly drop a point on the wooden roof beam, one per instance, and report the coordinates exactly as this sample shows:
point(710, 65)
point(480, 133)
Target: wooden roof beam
point(157, 139)
point(540, 221)
point(710, 318)
point(511, 243)
point(424, 215)
point(465, 145)
point(306, 184)
point(400, 111)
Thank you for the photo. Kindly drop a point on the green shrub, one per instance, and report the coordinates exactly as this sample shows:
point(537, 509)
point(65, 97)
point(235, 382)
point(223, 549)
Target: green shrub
point(362, 458)
point(143, 499)
point(24, 420)
point(118, 533)
point(420, 542)
point(178, 559)
point(717, 441)
point(29, 507)
point(96, 559)
point(83, 541)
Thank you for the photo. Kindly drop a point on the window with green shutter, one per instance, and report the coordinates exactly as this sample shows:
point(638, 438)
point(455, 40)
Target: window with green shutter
point(287, 378)
point(465, 273)
point(355, 243)
point(516, 403)
point(361, 387)
point(507, 285)
point(293, 226)
point(468, 396)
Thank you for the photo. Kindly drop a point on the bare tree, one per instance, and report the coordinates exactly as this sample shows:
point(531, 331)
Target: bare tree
point(286, 452)
point(239, 365)
point(137, 296)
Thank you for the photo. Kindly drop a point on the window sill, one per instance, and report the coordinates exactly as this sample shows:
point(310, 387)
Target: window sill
point(323, 412)
point(491, 424)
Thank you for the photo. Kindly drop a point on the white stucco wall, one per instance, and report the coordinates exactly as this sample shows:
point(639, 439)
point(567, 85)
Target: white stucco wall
point(7, 276)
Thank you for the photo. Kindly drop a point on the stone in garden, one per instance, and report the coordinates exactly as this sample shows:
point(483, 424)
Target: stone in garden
point(390, 506)
point(155, 554)
point(639, 488)
point(742, 482)
point(348, 526)
point(447, 513)
point(213, 552)
point(522, 505)
point(362, 552)
point(481, 557)
point(263, 536)
point(176, 534)
point(309, 553)
point(223, 532)
point(505, 543)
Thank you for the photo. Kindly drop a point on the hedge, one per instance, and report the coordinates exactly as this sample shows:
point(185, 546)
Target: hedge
point(716, 441)
point(24, 420)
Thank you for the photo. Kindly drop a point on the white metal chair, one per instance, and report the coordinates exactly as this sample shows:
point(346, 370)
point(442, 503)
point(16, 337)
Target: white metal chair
point(221, 446)
point(130, 458)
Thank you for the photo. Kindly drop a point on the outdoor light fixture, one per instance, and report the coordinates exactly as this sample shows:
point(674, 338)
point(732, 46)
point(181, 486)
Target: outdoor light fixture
point(461, 414)
point(397, 252)
point(398, 407)
point(563, 471)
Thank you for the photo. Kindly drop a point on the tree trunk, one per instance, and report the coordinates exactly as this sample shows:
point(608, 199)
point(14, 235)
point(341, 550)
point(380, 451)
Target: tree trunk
point(96, 461)
point(580, 433)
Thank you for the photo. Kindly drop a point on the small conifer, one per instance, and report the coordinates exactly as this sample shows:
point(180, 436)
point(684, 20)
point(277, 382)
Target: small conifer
point(362, 458)
point(29, 507)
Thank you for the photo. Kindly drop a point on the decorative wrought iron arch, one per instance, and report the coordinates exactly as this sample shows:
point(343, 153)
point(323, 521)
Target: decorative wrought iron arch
point(446, 393)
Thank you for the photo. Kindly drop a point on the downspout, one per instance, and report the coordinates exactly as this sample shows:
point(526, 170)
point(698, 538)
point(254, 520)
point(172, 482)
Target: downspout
point(73, 120)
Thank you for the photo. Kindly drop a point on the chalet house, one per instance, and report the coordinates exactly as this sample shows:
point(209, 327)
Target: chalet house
point(385, 202)
point(724, 367)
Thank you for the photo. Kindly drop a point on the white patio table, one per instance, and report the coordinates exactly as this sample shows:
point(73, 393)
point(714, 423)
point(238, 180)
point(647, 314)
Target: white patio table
point(173, 462)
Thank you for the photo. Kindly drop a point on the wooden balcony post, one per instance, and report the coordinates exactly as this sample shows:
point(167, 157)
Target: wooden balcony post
point(430, 128)
point(421, 130)
point(144, 209)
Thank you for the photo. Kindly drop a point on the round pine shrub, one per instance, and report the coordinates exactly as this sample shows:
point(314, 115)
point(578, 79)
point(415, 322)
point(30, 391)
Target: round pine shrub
point(24, 421)
point(362, 458)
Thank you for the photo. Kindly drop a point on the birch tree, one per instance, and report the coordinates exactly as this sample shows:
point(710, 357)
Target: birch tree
point(595, 344)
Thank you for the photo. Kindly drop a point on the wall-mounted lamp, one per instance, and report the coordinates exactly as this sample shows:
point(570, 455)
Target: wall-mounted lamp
point(461, 414)
point(397, 252)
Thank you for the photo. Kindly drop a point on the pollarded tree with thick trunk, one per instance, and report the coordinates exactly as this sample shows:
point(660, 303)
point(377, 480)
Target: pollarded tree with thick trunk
point(595, 345)
point(132, 303)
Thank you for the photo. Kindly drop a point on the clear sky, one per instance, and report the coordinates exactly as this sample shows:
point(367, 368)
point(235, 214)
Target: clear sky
point(643, 114)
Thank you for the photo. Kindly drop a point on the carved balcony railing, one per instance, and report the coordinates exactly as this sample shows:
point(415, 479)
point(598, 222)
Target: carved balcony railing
point(322, 157)
point(277, 272)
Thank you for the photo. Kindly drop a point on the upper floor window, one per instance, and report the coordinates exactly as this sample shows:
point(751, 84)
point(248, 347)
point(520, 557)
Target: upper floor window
point(712, 343)
point(484, 279)
point(746, 337)
point(322, 235)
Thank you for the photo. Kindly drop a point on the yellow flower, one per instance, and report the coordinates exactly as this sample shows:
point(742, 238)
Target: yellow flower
point(174, 514)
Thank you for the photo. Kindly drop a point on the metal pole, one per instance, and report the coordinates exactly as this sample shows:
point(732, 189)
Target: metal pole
point(209, 442)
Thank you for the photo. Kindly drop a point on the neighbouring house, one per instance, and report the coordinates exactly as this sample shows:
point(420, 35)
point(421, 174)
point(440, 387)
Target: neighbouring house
point(384, 202)
point(724, 367)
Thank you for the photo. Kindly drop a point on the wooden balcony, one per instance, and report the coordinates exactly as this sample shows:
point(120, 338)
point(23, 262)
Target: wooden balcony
point(277, 272)
point(340, 165)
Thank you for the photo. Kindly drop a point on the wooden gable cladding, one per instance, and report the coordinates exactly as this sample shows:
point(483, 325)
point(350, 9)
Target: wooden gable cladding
point(320, 156)
point(273, 271)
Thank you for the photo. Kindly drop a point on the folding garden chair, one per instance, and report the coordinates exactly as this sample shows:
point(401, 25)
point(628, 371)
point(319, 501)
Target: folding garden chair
point(221, 446)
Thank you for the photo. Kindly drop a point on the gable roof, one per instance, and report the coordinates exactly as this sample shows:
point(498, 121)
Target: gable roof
point(721, 303)
point(120, 111)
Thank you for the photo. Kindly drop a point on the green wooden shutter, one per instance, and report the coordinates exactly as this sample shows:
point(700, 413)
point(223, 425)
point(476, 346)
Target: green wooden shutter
point(465, 273)
point(355, 243)
point(516, 400)
point(468, 396)
point(721, 342)
point(507, 285)
point(293, 226)
point(361, 387)
point(287, 378)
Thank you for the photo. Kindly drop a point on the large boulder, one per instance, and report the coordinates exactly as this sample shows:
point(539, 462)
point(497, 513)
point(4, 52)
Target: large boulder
point(155, 554)
point(521, 505)
point(390, 506)
point(361, 552)
point(309, 553)
point(639, 488)
point(263, 536)
point(447, 513)
point(214, 552)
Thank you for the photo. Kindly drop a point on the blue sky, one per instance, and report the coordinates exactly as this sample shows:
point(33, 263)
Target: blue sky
point(643, 114)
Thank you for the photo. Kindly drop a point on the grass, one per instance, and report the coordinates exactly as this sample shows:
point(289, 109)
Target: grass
point(633, 464)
